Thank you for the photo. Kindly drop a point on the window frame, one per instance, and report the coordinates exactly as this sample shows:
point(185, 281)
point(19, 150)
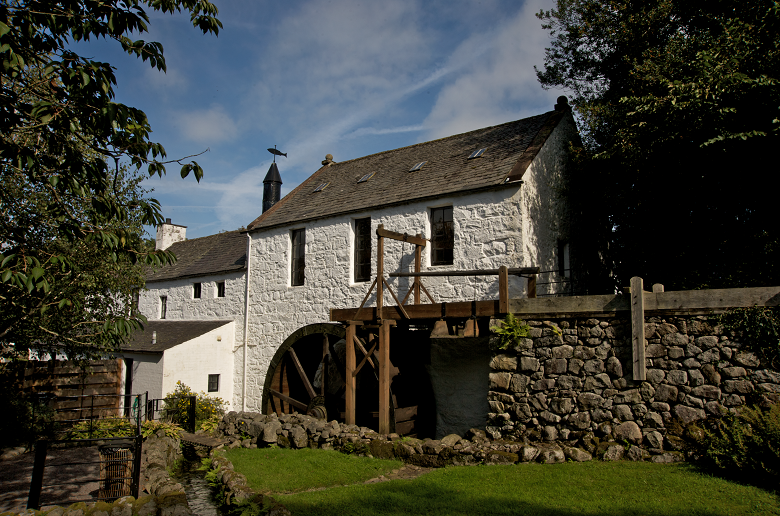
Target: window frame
point(361, 257)
point(197, 290)
point(163, 306)
point(220, 289)
point(442, 236)
point(212, 378)
point(297, 257)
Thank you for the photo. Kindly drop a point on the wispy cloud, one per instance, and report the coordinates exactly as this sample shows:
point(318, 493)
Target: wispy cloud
point(207, 126)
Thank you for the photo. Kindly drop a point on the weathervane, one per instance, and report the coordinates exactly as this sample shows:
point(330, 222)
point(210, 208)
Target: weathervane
point(277, 153)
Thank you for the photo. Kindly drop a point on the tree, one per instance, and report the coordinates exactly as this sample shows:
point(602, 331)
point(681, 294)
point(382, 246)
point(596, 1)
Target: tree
point(678, 104)
point(69, 221)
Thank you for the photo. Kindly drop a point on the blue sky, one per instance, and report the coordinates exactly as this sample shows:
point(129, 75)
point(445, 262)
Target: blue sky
point(342, 77)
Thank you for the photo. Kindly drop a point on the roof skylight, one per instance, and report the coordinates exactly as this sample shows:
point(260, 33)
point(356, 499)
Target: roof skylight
point(322, 187)
point(477, 153)
point(366, 177)
point(418, 166)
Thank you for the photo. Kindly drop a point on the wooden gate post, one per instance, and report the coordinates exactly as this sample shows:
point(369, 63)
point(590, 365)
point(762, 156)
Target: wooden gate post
point(384, 377)
point(380, 271)
point(350, 374)
point(638, 327)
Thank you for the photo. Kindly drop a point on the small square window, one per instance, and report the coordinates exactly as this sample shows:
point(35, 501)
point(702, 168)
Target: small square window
point(220, 289)
point(196, 290)
point(213, 383)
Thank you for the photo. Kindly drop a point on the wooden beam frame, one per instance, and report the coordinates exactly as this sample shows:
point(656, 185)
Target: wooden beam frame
point(350, 379)
point(384, 378)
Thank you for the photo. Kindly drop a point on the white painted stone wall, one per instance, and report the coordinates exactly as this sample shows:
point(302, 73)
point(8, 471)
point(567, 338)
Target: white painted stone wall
point(544, 210)
point(516, 226)
point(193, 361)
point(182, 304)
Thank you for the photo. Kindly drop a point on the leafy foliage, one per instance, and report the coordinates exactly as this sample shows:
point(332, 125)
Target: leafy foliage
point(102, 428)
point(673, 97)
point(24, 419)
point(510, 332)
point(171, 430)
point(744, 446)
point(759, 329)
point(177, 404)
point(59, 130)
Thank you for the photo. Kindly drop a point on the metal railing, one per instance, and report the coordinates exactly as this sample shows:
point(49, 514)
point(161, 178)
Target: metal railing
point(173, 409)
point(119, 458)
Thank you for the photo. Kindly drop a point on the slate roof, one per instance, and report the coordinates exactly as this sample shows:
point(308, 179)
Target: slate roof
point(510, 149)
point(214, 254)
point(169, 334)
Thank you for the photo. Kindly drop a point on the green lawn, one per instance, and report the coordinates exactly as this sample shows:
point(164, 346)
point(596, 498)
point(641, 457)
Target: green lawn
point(591, 488)
point(276, 470)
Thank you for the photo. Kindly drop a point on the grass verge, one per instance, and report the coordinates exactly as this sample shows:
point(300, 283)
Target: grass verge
point(276, 470)
point(571, 489)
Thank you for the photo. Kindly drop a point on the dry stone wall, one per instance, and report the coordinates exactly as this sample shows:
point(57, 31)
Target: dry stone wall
point(571, 381)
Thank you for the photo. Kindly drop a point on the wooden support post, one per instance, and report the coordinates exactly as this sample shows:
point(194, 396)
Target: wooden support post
point(324, 379)
point(657, 287)
point(532, 286)
point(384, 377)
point(417, 265)
point(638, 328)
point(350, 378)
point(503, 289)
point(380, 270)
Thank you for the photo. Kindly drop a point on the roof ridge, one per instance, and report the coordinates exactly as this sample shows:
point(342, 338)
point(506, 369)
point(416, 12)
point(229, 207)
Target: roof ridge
point(439, 139)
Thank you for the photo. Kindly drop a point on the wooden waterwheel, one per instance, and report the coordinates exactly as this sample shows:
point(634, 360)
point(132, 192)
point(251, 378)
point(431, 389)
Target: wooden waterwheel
point(307, 376)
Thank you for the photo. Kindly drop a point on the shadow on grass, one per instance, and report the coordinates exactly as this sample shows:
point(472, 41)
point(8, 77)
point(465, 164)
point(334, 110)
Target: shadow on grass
point(496, 491)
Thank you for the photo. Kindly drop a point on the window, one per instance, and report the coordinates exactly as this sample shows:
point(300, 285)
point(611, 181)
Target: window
point(196, 290)
point(220, 289)
point(418, 166)
point(322, 187)
point(442, 236)
point(477, 153)
point(213, 383)
point(563, 259)
point(362, 249)
point(163, 306)
point(298, 256)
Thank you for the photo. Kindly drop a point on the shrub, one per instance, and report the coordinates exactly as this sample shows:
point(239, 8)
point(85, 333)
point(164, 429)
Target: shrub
point(102, 429)
point(176, 405)
point(759, 328)
point(745, 446)
point(151, 427)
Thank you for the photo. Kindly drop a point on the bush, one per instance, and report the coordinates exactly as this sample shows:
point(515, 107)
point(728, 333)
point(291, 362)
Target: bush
point(24, 419)
point(102, 429)
point(745, 446)
point(177, 405)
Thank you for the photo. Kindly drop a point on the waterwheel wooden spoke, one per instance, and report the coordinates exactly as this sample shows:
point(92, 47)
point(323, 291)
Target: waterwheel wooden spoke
point(308, 375)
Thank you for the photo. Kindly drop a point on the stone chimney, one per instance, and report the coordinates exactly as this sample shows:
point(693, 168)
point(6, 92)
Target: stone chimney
point(563, 104)
point(272, 187)
point(168, 234)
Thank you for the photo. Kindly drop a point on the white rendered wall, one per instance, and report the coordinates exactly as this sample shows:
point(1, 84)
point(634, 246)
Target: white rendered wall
point(489, 232)
point(193, 361)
